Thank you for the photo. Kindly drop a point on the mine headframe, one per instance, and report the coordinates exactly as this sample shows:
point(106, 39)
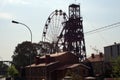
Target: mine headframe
point(73, 34)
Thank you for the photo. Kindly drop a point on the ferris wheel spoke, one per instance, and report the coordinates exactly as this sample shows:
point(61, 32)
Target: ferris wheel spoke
point(52, 30)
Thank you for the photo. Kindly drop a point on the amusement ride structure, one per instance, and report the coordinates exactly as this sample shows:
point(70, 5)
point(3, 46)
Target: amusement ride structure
point(65, 33)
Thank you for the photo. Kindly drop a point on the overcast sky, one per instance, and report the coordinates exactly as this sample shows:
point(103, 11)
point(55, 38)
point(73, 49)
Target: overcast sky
point(34, 13)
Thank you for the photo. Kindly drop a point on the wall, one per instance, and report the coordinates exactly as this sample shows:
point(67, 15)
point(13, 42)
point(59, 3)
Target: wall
point(111, 52)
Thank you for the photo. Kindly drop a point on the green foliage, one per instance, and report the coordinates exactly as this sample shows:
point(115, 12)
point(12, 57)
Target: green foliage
point(68, 73)
point(46, 47)
point(12, 71)
point(24, 54)
point(73, 75)
point(116, 67)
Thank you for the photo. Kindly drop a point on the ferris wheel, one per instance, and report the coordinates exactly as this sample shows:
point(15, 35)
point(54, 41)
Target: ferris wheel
point(53, 27)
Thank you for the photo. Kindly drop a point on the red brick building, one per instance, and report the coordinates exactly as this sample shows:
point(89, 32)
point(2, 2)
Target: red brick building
point(55, 66)
point(97, 61)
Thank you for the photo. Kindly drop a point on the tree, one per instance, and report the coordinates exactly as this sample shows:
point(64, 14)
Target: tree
point(24, 54)
point(12, 71)
point(47, 47)
point(116, 67)
point(73, 75)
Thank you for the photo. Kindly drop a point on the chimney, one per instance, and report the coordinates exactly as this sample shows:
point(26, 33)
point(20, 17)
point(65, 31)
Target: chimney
point(92, 55)
point(115, 43)
point(47, 59)
point(101, 54)
point(37, 59)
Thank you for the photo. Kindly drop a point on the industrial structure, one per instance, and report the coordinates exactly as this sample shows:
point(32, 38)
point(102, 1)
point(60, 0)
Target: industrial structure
point(63, 46)
point(63, 50)
point(70, 36)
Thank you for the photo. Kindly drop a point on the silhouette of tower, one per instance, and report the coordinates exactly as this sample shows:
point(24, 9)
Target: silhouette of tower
point(73, 33)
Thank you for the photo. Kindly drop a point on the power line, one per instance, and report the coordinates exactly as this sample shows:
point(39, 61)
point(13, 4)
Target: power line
point(117, 24)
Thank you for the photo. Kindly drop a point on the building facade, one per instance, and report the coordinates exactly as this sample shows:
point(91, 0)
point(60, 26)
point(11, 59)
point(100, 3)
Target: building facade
point(97, 63)
point(111, 52)
point(55, 66)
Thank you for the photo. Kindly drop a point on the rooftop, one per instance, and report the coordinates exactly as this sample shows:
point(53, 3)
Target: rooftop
point(55, 55)
point(96, 57)
point(42, 64)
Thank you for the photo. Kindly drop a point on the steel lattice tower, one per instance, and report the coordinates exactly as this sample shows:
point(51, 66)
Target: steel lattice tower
point(73, 33)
